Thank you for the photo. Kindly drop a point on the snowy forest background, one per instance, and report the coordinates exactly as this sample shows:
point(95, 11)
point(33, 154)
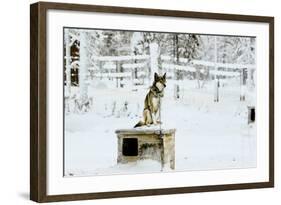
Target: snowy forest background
point(210, 98)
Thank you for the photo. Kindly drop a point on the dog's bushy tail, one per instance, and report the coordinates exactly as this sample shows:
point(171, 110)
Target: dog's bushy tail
point(139, 124)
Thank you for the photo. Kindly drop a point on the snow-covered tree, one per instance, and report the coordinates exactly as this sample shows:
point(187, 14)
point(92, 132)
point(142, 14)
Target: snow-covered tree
point(188, 46)
point(67, 61)
point(83, 66)
point(136, 48)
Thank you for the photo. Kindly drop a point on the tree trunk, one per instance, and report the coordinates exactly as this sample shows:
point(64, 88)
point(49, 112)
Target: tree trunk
point(216, 80)
point(67, 61)
point(83, 67)
point(176, 56)
point(135, 68)
point(154, 56)
point(176, 62)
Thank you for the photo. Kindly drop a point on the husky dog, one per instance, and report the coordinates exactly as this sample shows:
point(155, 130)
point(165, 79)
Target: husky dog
point(152, 102)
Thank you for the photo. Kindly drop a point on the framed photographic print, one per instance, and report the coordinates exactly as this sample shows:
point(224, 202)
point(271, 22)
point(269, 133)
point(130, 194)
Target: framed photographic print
point(135, 102)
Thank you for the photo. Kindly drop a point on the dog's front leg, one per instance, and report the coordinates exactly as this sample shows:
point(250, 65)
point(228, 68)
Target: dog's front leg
point(155, 118)
point(158, 120)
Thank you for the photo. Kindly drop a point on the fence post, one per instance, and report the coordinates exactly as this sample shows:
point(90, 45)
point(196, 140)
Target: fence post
point(243, 79)
point(117, 70)
point(216, 89)
point(176, 91)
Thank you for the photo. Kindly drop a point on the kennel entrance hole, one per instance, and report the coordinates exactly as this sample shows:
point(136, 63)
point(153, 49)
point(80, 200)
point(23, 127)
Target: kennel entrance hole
point(146, 144)
point(130, 147)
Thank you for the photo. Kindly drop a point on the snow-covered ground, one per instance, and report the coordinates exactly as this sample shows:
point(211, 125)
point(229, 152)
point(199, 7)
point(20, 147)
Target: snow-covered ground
point(209, 135)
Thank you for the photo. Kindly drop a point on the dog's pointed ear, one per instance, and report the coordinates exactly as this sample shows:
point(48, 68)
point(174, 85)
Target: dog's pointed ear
point(164, 76)
point(155, 76)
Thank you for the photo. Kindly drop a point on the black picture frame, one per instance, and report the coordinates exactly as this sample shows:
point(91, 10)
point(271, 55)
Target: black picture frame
point(38, 100)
